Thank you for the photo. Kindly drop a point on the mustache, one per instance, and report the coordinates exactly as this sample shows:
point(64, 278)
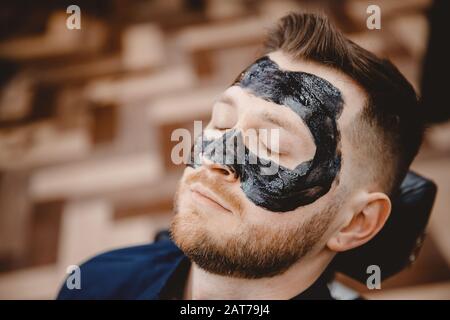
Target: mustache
point(218, 187)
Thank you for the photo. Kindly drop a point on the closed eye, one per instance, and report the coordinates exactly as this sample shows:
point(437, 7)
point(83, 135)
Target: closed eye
point(269, 140)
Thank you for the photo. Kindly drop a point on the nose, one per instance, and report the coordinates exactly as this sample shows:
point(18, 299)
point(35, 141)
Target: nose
point(226, 172)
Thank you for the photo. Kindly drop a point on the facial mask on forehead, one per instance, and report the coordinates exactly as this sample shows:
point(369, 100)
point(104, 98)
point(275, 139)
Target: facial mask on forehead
point(319, 104)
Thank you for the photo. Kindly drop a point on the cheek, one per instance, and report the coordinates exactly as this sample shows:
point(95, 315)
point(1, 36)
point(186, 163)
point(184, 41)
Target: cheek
point(259, 215)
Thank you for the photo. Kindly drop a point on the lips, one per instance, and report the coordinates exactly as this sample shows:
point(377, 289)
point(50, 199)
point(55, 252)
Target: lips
point(205, 192)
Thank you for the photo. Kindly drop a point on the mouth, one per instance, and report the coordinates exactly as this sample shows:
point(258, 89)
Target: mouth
point(205, 196)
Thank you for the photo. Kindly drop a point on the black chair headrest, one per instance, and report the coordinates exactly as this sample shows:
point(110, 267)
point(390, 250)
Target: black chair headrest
point(397, 244)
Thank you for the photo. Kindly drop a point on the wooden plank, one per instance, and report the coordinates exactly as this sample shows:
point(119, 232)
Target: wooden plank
point(56, 41)
point(134, 88)
point(221, 35)
point(175, 112)
point(143, 46)
point(434, 291)
point(16, 98)
point(34, 283)
point(79, 72)
point(94, 177)
point(43, 233)
point(183, 107)
point(201, 42)
point(88, 229)
point(41, 144)
point(14, 217)
point(157, 199)
point(105, 122)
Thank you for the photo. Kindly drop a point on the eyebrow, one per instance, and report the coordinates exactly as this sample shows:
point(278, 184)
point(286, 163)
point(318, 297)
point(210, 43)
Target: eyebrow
point(266, 115)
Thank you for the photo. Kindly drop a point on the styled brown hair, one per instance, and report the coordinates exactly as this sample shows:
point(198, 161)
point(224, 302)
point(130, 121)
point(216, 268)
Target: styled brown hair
point(389, 130)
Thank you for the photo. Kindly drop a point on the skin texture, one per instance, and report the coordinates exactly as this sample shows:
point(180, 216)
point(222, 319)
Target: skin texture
point(318, 103)
point(242, 250)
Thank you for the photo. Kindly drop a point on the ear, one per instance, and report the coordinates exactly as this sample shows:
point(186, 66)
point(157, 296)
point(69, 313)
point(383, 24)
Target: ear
point(372, 212)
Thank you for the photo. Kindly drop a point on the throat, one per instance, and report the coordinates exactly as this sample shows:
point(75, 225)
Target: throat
point(203, 285)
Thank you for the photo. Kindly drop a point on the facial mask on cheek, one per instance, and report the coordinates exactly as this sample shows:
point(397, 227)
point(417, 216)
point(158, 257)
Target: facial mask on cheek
point(319, 104)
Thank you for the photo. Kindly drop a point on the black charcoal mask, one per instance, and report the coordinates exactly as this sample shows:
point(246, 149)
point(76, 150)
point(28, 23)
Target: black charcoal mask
point(319, 104)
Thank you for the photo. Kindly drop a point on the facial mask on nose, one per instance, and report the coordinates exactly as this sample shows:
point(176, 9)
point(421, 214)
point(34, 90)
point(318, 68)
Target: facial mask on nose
point(319, 104)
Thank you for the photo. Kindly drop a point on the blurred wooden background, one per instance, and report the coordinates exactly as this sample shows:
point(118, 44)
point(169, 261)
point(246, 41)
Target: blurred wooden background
point(86, 117)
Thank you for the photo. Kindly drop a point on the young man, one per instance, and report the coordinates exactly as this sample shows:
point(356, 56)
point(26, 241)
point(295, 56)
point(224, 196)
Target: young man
point(348, 127)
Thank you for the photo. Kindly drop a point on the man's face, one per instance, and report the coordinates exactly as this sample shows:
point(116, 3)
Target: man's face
point(279, 199)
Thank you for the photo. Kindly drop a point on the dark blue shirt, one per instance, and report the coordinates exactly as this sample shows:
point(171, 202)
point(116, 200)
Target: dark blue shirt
point(153, 271)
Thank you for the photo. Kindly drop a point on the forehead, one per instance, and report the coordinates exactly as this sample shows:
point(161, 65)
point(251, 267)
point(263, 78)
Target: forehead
point(352, 94)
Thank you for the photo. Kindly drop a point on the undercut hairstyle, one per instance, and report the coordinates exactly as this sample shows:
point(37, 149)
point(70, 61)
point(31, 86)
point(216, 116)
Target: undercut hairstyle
point(388, 132)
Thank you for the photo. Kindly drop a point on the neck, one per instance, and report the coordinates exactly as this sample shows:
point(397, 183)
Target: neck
point(205, 285)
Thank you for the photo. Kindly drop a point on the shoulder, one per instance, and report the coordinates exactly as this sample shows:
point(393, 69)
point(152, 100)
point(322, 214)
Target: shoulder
point(127, 273)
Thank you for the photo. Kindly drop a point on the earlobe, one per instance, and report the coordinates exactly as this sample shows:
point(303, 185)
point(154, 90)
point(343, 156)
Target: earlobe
point(364, 224)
